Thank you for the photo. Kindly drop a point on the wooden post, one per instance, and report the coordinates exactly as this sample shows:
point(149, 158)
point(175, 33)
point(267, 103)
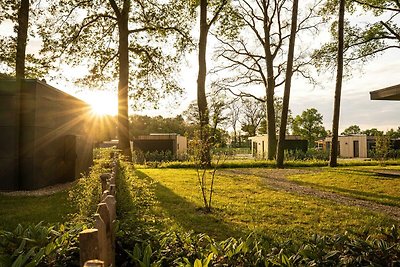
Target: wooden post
point(102, 209)
point(88, 245)
point(94, 263)
point(103, 242)
point(104, 178)
point(111, 205)
point(105, 194)
point(112, 189)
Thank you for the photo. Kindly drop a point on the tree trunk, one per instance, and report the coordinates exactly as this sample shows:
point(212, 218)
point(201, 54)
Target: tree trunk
point(205, 155)
point(288, 81)
point(338, 90)
point(270, 88)
point(123, 120)
point(23, 17)
point(22, 37)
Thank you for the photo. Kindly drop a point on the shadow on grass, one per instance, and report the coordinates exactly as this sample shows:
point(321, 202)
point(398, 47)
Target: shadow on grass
point(190, 216)
point(375, 197)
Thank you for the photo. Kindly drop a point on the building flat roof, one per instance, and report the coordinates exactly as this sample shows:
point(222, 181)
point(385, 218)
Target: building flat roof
point(389, 93)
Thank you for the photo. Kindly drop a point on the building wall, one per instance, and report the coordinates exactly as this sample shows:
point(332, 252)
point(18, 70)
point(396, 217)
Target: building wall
point(162, 142)
point(181, 145)
point(259, 144)
point(54, 144)
point(348, 146)
point(9, 141)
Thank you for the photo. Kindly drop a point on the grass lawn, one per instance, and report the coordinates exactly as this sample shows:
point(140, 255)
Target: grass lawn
point(357, 182)
point(243, 203)
point(33, 209)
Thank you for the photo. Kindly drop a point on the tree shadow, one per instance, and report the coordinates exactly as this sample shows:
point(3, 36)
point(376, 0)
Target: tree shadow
point(375, 197)
point(192, 217)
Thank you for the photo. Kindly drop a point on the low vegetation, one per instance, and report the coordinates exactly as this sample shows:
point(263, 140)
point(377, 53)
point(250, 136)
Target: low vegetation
point(162, 221)
point(43, 230)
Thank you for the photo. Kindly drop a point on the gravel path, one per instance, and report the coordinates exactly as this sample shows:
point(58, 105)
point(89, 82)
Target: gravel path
point(276, 179)
point(49, 190)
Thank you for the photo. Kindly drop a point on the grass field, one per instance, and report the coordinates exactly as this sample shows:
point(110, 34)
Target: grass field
point(357, 182)
point(243, 203)
point(25, 210)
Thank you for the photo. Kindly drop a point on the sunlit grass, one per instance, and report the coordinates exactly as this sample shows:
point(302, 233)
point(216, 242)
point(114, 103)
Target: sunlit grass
point(26, 210)
point(243, 203)
point(357, 182)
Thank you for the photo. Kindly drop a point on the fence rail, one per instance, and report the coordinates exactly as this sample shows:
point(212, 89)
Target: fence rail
point(97, 245)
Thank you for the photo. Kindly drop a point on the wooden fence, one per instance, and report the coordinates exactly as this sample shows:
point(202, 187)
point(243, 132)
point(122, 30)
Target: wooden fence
point(97, 245)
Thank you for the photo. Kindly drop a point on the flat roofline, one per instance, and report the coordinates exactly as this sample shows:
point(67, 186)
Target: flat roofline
point(388, 93)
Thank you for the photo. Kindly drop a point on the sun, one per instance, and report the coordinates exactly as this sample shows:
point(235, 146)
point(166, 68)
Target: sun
point(103, 103)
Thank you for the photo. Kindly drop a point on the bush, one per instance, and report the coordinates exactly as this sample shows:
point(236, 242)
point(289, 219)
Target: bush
point(310, 154)
point(86, 194)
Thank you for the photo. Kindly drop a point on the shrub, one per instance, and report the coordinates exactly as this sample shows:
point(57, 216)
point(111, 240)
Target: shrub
point(86, 194)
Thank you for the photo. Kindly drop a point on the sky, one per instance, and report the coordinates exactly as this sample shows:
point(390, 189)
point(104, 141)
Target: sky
point(356, 106)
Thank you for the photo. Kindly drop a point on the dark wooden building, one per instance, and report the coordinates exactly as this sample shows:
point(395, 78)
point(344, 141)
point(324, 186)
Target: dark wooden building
point(44, 136)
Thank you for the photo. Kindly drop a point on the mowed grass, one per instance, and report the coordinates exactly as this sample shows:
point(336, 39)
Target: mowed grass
point(243, 203)
point(357, 182)
point(25, 210)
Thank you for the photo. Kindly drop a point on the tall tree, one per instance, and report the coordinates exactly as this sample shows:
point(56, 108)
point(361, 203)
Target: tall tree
point(364, 39)
point(278, 106)
point(256, 55)
point(129, 34)
point(205, 25)
point(338, 89)
point(14, 59)
point(288, 80)
point(22, 37)
point(309, 126)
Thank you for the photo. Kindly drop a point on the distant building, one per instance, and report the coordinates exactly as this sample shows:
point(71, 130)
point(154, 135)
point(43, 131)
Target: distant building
point(259, 144)
point(161, 142)
point(44, 136)
point(352, 146)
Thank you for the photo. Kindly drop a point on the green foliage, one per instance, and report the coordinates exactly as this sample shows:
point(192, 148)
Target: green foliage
point(175, 249)
point(87, 34)
point(38, 245)
point(353, 129)
point(310, 154)
point(382, 147)
point(136, 201)
point(37, 65)
point(145, 125)
point(86, 194)
point(147, 238)
point(309, 126)
point(372, 132)
point(363, 40)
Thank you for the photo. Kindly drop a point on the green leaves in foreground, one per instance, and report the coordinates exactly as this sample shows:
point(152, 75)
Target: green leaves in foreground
point(40, 245)
point(187, 250)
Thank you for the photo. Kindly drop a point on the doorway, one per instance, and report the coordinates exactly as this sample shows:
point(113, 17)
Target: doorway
point(356, 149)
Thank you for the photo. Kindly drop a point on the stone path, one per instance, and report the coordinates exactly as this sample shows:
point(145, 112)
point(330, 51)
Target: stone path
point(276, 179)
